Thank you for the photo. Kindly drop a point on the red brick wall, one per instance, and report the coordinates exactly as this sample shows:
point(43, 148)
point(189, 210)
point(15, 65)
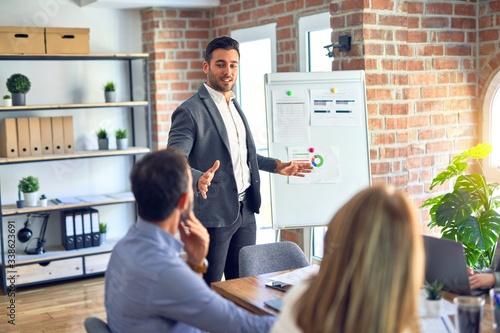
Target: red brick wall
point(175, 40)
point(423, 62)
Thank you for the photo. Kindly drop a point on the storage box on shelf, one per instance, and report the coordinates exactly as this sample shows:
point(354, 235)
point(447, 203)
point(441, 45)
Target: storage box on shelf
point(67, 40)
point(22, 40)
point(58, 263)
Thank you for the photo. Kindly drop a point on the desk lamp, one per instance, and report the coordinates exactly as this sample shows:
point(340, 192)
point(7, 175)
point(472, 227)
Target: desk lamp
point(40, 239)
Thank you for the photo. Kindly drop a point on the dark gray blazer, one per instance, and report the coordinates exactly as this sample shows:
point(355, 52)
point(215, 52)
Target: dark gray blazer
point(199, 132)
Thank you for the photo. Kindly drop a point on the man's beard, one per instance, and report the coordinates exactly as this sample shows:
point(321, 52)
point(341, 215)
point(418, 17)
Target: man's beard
point(184, 214)
point(214, 83)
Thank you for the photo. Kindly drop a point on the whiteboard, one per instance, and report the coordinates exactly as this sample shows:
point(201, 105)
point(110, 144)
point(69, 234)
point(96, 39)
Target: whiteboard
point(319, 117)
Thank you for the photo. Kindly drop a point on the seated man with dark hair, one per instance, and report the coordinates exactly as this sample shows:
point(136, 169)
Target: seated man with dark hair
point(154, 281)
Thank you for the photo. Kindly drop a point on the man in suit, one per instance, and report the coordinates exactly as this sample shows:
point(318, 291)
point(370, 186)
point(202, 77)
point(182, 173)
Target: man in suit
point(212, 132)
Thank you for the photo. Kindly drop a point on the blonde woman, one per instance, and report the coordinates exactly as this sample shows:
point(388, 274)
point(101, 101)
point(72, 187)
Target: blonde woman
point(371, 273)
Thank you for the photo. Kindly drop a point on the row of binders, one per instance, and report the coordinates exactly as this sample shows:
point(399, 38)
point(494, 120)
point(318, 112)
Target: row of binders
point(37, 136)
point(80, 228)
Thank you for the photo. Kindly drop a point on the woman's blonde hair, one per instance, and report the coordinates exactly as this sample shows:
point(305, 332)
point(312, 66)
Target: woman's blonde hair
point(372, 269)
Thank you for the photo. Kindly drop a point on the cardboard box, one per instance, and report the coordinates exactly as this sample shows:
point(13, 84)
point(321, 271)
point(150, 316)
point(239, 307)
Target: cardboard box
point(22, 40)
point(67, 40)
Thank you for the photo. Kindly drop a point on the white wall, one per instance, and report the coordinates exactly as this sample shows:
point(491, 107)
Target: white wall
point(54, 82)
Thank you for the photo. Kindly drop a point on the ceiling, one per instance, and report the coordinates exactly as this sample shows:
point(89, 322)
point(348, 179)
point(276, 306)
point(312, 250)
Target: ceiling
point(125, 4)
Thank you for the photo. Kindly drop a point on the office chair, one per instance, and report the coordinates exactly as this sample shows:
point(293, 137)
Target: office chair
point(272, 257)
point(96, 325)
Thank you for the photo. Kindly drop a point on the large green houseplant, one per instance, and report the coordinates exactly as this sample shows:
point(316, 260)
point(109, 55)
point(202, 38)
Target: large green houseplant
point(467, 214)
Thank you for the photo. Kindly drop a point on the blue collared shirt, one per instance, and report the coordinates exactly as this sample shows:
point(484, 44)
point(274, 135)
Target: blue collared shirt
point(149, 288)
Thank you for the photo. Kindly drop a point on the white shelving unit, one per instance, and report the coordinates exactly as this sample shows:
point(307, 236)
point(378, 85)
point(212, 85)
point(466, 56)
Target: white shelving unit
point(57, 264)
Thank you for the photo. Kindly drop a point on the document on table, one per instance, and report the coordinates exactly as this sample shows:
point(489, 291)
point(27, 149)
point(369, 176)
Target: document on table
point(441, 324)
point(296, 275)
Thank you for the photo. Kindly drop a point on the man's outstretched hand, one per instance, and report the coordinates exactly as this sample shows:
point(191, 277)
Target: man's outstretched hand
point(293, 169)
point(205, 180)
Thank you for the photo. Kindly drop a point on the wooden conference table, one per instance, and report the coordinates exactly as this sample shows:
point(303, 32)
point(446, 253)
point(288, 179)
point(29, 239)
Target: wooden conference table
point(251, 293)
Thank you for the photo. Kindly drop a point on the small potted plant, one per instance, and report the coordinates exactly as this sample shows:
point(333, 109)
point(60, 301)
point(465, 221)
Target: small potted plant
point(7, 101)
point(43, 201)
point(433, 300)
point(102, 139)
point(20, 201)
point(121, 139)
point(30, 186)
point(18, 85)
point(103, 229)
point(109, 92)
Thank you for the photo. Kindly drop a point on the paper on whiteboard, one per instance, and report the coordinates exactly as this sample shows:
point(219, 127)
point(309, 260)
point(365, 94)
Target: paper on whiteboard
point(325, 161)
point(335, 109)
point(290, 117)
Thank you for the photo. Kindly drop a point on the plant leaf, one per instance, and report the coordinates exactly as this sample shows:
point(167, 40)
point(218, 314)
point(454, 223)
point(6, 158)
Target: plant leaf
point(478, 152)
point(456, 168)
point(454, 209)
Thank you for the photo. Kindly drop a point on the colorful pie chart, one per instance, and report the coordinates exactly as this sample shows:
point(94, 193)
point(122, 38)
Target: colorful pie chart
point(317, 161)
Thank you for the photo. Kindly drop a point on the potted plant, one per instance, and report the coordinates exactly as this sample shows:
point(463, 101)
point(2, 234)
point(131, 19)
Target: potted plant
point(29, 186)
point(20, 201)
point(43, 201)
point(102, 139)
point(7, 101)
point(121, 139)
point(467, 214)
point(109, 92)
point(433, 300)
point(103, 229)
point(18, 85)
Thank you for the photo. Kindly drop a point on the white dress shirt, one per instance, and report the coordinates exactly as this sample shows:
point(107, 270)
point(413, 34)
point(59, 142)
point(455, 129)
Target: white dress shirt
point(237, 138)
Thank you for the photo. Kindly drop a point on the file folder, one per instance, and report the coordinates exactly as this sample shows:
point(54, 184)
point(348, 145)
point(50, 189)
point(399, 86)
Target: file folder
point(57, 135)
point(68, 230)
point(94, 218)
point(78, 221)
point(8, 138)
point(87, 228)
point(35, 136)
point(68, 134)
point(23, 137)
point(46, 135)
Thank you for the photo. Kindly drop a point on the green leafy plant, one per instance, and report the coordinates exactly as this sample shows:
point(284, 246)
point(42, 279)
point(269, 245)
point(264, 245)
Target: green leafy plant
point(6, 96)
point(102, 134)
point(467, 214)
point(43, 196)
point(103, 227)
point(29, 184)
point(433, 289)
point(109, 86)
point(121, 134)
point(18, 83)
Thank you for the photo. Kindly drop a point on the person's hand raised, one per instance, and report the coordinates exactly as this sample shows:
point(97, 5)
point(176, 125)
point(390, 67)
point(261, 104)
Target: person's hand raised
point(205, 180)
point(293, 169)
point(195, 238)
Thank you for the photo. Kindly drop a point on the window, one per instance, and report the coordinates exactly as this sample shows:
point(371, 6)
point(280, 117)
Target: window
point(314, 34)
point(251, 96)
point(491, 128)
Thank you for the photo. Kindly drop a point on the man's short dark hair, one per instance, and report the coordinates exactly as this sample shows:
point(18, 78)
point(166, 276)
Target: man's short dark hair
point(158, 180)
point(224, 42)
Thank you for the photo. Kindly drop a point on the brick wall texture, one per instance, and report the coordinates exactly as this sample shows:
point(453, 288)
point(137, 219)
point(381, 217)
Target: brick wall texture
point(427, 66)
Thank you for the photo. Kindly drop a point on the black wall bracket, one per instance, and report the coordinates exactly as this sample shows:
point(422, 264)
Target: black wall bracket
point(344, 45)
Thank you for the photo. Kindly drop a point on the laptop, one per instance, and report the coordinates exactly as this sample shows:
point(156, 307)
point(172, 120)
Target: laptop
point(445, 262)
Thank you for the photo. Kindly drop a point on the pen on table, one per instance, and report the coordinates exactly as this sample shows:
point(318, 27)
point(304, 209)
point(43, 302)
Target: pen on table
point(57, 201)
